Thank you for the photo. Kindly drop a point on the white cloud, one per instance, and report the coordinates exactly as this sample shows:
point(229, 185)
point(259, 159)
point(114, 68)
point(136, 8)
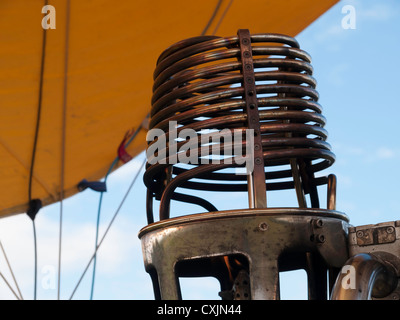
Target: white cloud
point(373, 154)
point(349, 149)
point(77, 248)
point(385, 153)
point(376, 12)
point(380, 154)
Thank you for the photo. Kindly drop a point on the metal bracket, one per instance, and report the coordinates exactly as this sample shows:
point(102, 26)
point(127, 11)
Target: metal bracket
point(385, 233)
point(257, 186)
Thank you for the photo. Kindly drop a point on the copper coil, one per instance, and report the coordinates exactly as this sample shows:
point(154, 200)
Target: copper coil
point(199, 84)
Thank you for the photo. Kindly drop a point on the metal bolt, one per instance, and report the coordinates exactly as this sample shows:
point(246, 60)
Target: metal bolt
point(248, 67)
point(360, 234)
point(258, 161)
point(256, 147)
point(263, 226)
point(389, 229)
point(320, 238)
point(249, 80)
point(318, 223)
point(395, 296)
point(246, 54)
point(245, 41)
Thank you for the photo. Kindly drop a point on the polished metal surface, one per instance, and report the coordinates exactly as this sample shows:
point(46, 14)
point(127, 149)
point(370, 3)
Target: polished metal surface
point(363, 277)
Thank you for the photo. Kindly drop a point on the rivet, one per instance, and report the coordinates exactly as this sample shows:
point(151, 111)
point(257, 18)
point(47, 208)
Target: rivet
point(320, 238)
point(263, 226)
point(318, 223)
point(360, 234)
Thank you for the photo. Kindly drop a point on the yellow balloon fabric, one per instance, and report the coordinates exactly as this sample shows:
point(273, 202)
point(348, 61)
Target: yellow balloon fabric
point(96, 67)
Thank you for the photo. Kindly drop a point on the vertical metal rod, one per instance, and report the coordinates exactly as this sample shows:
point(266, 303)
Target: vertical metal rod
point(250, 190)
point(297, 184)
point(331, 205)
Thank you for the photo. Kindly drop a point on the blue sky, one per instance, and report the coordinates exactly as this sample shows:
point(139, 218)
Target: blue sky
point(357, 72)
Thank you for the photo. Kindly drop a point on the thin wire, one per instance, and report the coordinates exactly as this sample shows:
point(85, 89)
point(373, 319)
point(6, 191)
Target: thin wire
point(96, 242)
point(38, 114)
point(35, 141)
point(12, 290)
point(63, 139)
point(11, 270)
point(108, 228)
point(222, 17)
point(98, 226)
point(212, 17)
point(114, 163)
point(35, 248)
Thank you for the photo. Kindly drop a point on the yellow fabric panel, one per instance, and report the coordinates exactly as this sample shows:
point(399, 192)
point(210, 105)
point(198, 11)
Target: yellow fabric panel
point(112, 51)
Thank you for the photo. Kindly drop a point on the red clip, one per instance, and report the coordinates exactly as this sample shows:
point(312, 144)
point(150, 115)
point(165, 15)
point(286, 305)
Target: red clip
point(122, 154)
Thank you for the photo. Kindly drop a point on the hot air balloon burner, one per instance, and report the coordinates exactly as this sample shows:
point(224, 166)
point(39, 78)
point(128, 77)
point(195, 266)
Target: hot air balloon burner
point(231, 115)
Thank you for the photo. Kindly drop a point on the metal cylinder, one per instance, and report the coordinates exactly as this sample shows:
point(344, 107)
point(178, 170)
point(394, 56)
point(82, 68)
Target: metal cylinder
point(364, 276)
